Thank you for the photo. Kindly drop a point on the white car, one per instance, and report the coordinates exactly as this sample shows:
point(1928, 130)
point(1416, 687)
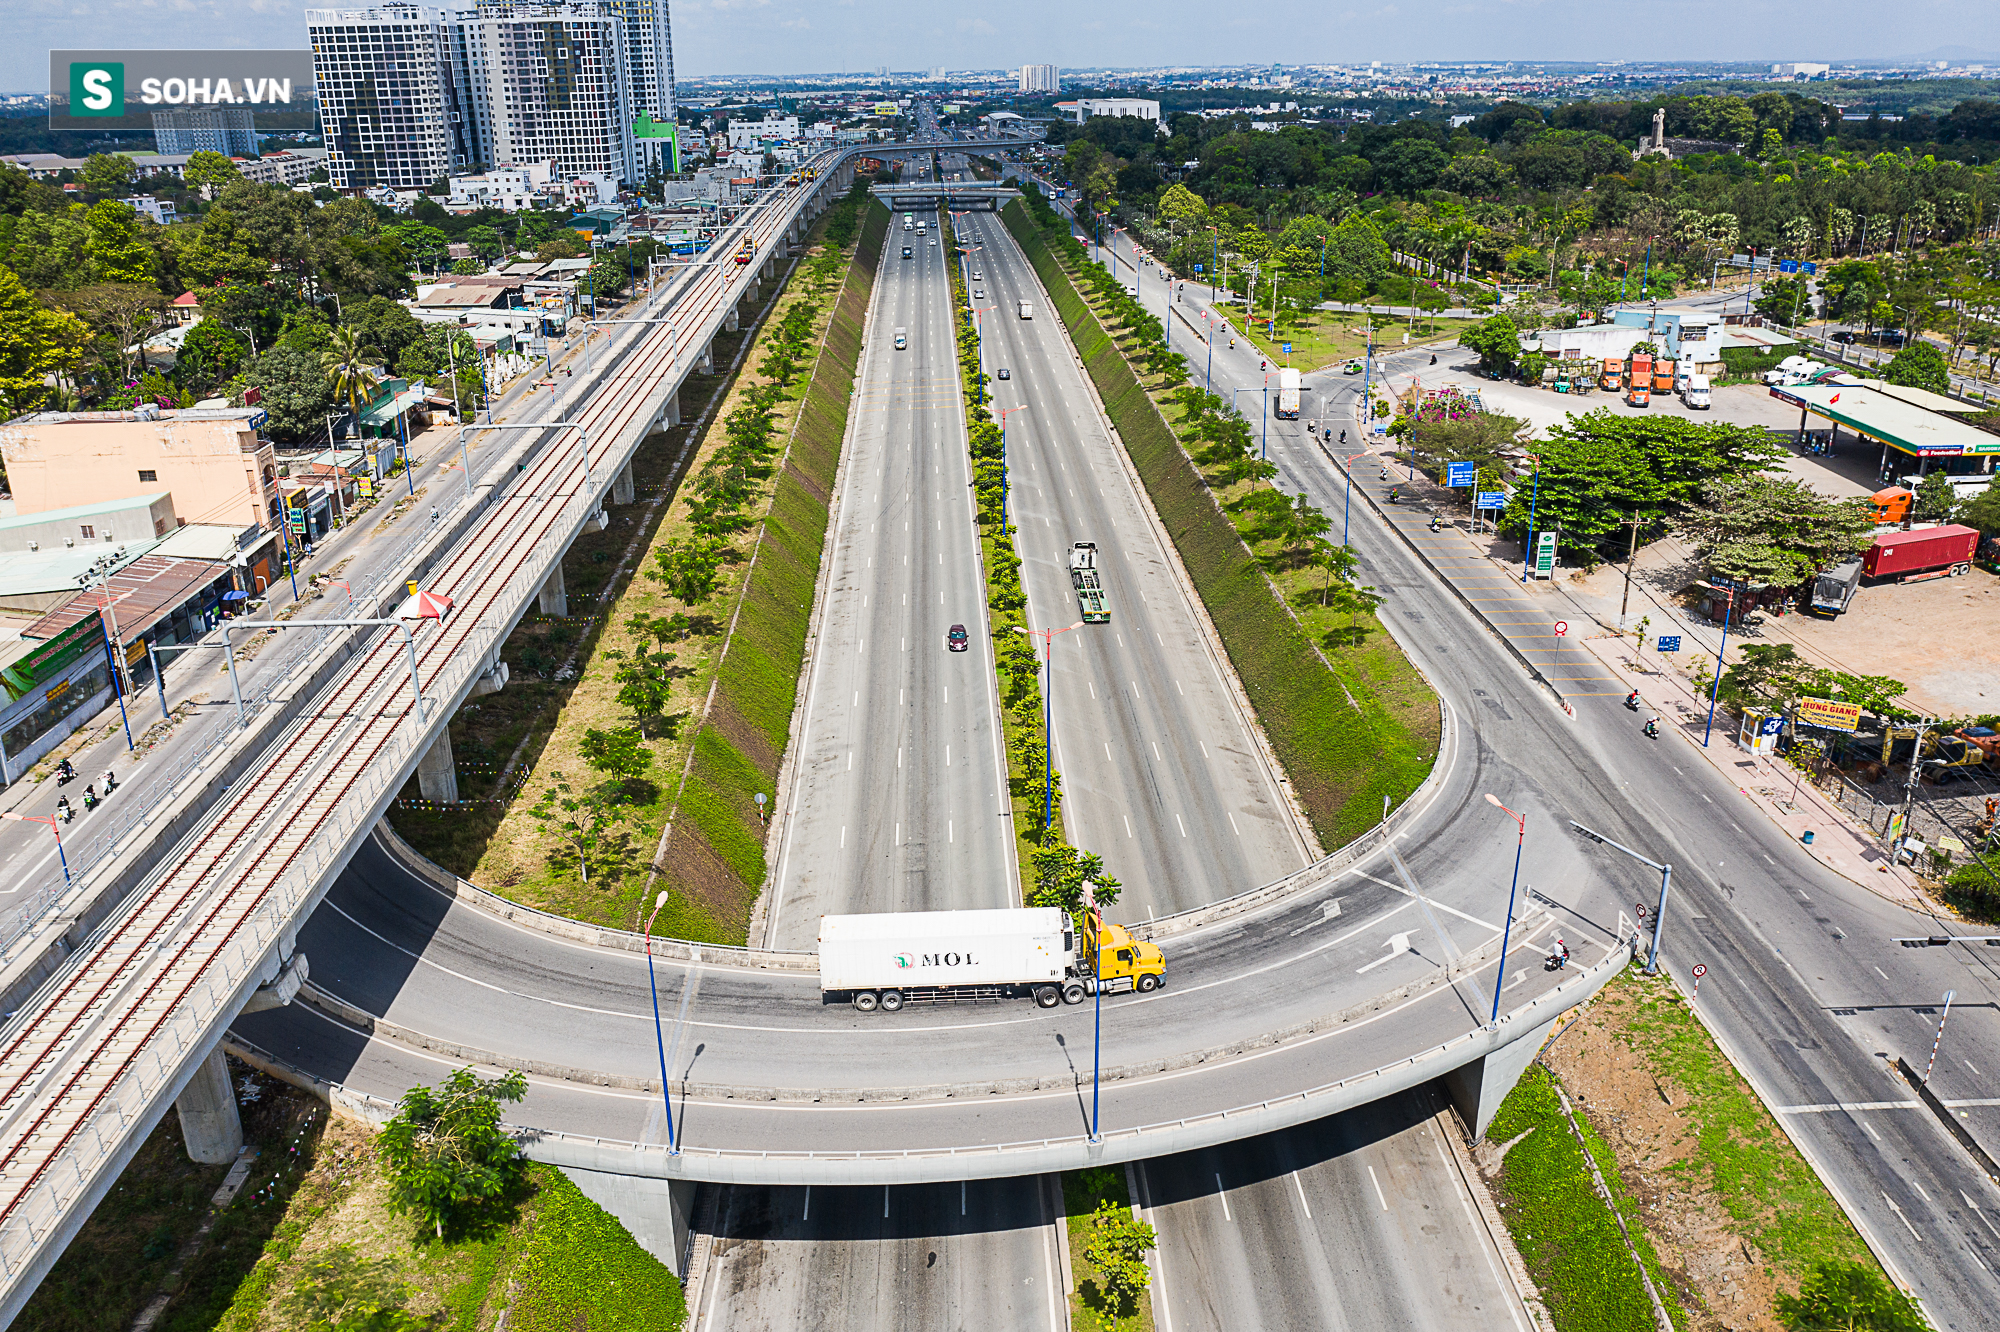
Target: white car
point(979, 292)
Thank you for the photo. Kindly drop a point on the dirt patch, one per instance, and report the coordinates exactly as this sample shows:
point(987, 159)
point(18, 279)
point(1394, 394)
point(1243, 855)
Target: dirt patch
point(1735, 1214)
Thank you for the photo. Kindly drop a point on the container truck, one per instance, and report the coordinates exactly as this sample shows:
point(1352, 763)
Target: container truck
point(1090, 598)
point(1927, 552)
point(1639, 392)
point(1288, 394)
point(1613, 378)
point(1663, 376)
point(1694, 392)
point(885, 960)
point(1834, 588)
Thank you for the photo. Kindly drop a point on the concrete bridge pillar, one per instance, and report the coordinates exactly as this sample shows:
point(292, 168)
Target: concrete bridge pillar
point(705, 363)
point(437, 774)
point(210, 1125)
point(729, 325)
point(621, 485)
point(655, 1210)
point(1477, 1088)
point(555, 599)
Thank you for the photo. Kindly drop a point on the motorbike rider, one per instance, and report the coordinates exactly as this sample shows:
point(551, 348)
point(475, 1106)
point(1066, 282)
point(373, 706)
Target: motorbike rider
point(1434, 359)
point(1632, 699)
point(89, 798)
point(1653, 728)
point(110, 781)
point(1394, 492)
point(65, 771)
point(63, 811)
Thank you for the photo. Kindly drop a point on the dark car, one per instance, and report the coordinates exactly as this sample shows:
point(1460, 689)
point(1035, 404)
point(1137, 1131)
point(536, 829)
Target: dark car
point(906, 251)
point(1004, 373)
point(957, 639)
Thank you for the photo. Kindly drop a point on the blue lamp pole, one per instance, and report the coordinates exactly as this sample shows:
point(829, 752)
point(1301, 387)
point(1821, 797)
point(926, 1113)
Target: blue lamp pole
point(1208, 317)
point(1716, 688)
point(1528, 548)
point(1507, 926)
point(659, 1035)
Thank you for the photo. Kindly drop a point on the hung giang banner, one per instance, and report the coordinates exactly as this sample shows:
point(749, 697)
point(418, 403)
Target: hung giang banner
point(110, 90)
point(1829, 715)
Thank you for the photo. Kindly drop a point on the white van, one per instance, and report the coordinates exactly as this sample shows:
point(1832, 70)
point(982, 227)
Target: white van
point(1694, 393)
point(1027, 310)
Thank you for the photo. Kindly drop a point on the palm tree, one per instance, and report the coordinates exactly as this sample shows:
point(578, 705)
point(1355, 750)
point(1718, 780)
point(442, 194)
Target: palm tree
point(348, 369)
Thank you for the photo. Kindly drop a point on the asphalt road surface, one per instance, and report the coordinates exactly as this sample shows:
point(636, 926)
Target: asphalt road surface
point(1161, 773)
point(899, 800)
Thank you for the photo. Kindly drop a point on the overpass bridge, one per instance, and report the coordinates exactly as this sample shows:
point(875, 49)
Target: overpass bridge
point(120, 997)
point(982, 196)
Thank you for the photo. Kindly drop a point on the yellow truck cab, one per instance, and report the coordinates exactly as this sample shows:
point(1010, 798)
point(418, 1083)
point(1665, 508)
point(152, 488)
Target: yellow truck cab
point(1125, 963)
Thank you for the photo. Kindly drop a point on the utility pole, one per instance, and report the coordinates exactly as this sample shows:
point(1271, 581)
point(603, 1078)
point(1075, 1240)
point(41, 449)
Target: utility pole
point(1631, 555)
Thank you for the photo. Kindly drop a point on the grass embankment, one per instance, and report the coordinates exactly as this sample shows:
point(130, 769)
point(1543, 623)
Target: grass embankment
point(721, 668)
point(1351, 720)
point(1730, 1220)
point(315, 1196)
point(1090, 1309)
point(1017, 657)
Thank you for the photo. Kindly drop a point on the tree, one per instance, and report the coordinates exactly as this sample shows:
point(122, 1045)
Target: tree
point(467, 267)
point(621, 754)
point(1497, 341)
point(449, 1161)
point(1919, 365)
point(113, 244)
point(580, 819)
point(1848, 1297)
point(123, 312)
point(387, 327)
point(1783, 300)
point(1181, 204)
point(209, 172)
point(209, 356)
point(347, 366)
point(1767, 529)
point(35, 343)
point(1116, 1248)
point(48, 250)
point(107, 173)
point(1060, 872)
point(340, 1291)
point(563, 244)
point(1935, 499)
point(485, 242)
point(1981, 511)
point(688, 568)
point(607, 275)
point(424, 244)
point(295, 391)
point(1410, 165)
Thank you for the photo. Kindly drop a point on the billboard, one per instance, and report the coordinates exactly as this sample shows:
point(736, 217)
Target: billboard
point(113, 90)
point(1828, 715)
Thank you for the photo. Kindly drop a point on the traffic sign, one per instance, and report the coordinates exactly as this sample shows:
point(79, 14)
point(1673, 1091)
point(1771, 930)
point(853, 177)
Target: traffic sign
point(1641, 908)
point(1699, 971)
point(1562, 628)
point(1545, 554)
point(1461, 474)
point(1287, 346)
point(1198, 268)
point(1668, 643)
point(1490, 499)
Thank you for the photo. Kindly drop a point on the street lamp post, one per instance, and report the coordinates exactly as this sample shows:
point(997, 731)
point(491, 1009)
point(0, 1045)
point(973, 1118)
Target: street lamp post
point(1715, 688)
point(590, 324)
point(1666, 882)
point(1534, 495)
point(1004, 413)
point(1507, 925)
point(61, 855)
point(583, 433)
point(108, 626)
point(258, 626)
point(1048, 637)
point(659, 1036)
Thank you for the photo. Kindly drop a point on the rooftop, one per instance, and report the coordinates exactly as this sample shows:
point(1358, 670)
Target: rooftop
point(1909, 427)
point(82, 511)
point(140, 592)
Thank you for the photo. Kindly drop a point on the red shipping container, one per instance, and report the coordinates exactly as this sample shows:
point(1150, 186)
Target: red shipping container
point(1912, 552)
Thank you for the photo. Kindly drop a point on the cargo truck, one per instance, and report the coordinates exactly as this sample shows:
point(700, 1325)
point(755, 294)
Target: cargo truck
point(1640, 390)
point(1834, 588)
point(1694, 392)
point(1613, 378)
point(885, 960)
point(1927, 552)
point(1288, 394)
point(1090, 598)
point(1663, 376)
point(1027, 310)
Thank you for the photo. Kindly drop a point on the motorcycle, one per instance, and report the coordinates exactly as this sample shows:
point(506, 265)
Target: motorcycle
point(1557, 960)
point(89, 799)
point(65, 773)
point(63, 811)
point(1343, 436)
point(1394, 493)
point(1437, 523)
point(110, 782)
point(1632, 700)
point(1434, 360)
point(1652, 730)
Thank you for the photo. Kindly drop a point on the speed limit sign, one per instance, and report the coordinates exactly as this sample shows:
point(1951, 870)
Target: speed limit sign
point(1562, 628)
point(1699, 971)
point(1640, 907)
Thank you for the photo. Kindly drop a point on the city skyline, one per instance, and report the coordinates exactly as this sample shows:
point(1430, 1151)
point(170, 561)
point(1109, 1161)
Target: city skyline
point(779, 38)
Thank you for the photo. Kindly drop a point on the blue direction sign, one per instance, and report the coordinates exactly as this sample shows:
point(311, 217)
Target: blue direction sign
point(1287, 346)
point(1668, 643)
point(1460, 474)
point(1198, 268)
point(1490, 499)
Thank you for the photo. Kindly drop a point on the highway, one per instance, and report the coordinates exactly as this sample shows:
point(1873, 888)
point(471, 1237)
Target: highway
point(981, 1254)
point(1161, 773)
point(898, 802)
point(1803, 985)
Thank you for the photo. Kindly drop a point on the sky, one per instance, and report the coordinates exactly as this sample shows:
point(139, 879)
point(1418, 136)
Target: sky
point(831, 36)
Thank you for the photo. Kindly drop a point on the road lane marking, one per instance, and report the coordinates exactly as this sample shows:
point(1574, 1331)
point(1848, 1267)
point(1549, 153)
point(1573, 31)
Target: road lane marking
point(1177, 819)
point(1397, 944)
point(1302, 1195)
point(1128, 827)
point(1232, 823)
point(1222, 1194)
point(1378, 1188)
point(1900, 1217)
point(808, 1213)
point(1397, 887)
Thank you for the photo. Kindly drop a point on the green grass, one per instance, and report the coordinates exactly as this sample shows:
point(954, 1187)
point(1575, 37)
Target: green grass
point(1089, 1310)
point(1341, 761)
point(1568, 1237)
point(581, 1271)
point(1741, 1155)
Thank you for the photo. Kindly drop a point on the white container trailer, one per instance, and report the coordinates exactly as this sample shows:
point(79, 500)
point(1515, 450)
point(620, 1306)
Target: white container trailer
point(884, 959)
